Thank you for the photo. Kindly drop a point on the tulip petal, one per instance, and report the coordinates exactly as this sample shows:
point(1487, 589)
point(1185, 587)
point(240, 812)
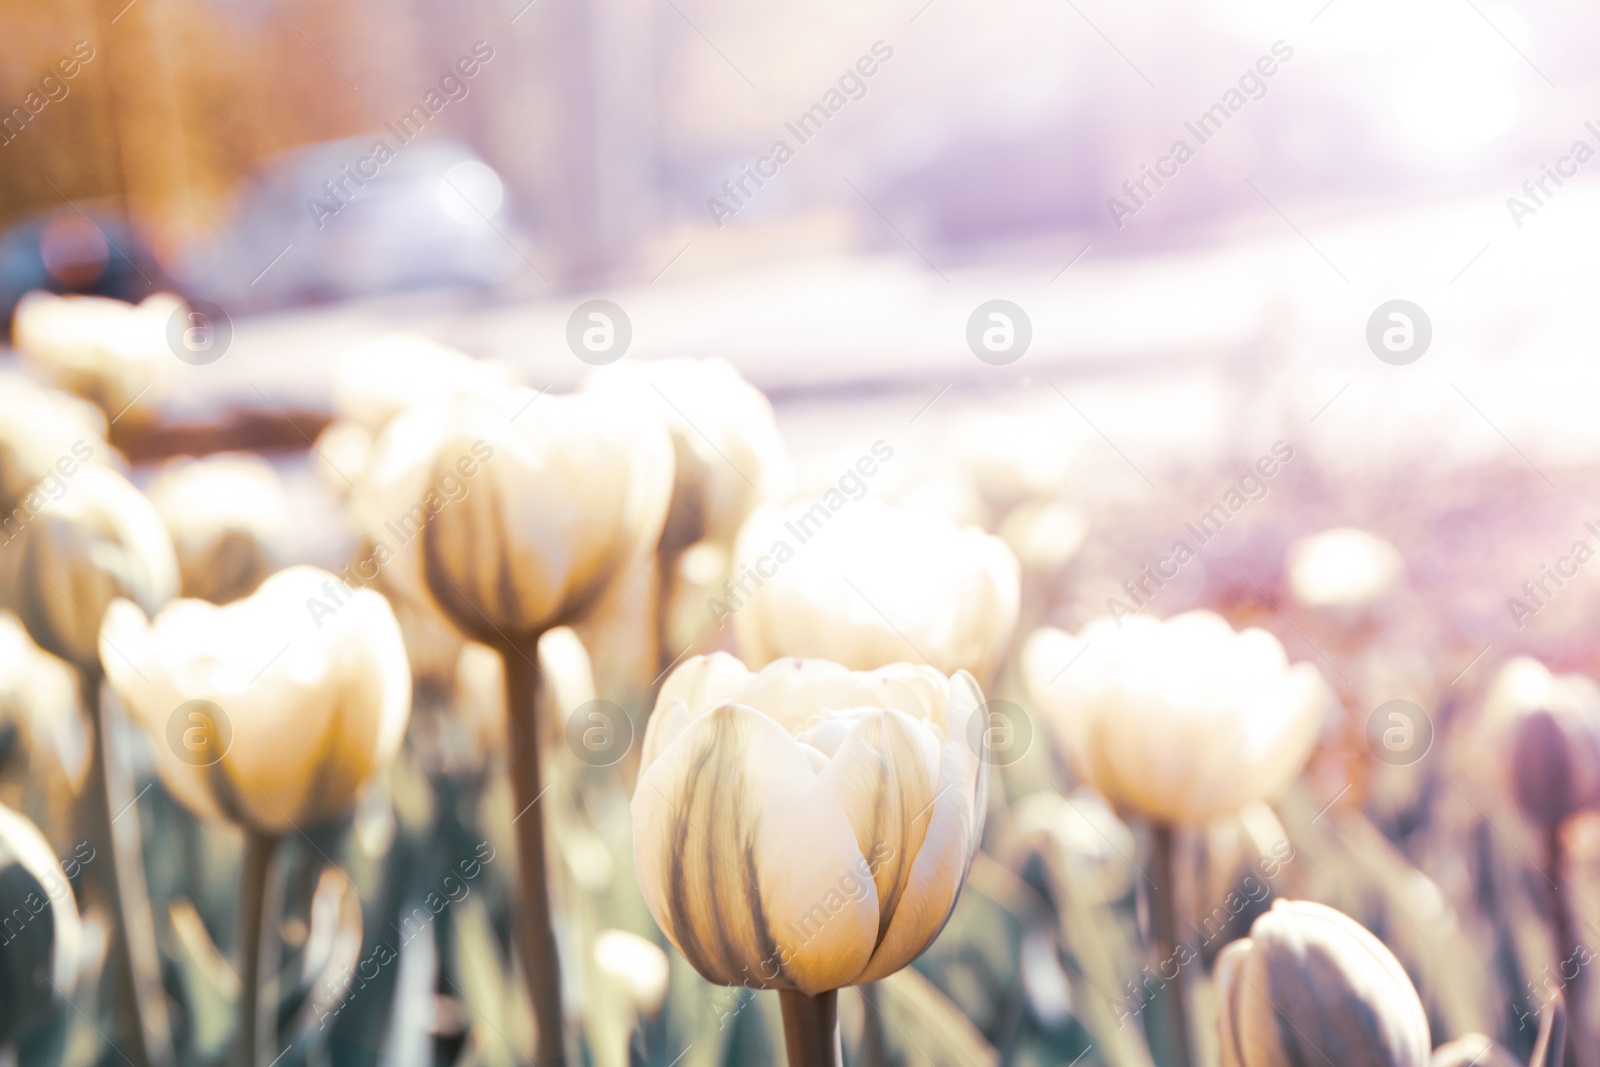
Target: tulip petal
point(747, 862)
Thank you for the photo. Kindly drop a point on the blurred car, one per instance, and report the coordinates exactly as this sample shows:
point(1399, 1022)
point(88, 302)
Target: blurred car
point(73, 250)
point(343, 219)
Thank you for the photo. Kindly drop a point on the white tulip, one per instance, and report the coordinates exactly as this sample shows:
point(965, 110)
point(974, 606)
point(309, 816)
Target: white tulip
point(1181, 721)
point(729, 454)
point(45, 435)
point(865, 584)
point(105, 350)
point(228, 516)
point(514, 512)
point(805, 827)
point(263, 712)
point(375, 381)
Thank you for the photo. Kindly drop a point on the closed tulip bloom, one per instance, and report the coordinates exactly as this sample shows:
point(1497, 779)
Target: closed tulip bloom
point(729, 454)
point(376, 380)
point(1180, 721)
point(228, 516)
point(104, 350)
point(1549, 725)
point(1344, 570)
point(264, 713)
point(864, 584)
point(514, 512)
point(806, 827)
point(1310, 985)
point(97, 541)
point(40, 933)
point(45, 436)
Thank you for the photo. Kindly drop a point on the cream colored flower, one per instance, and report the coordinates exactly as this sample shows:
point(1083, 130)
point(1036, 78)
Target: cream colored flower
point(228, 516)
point(515, 512)
point(864, 584)
point(104, 350)
point(1310, 985)
point(806, 827)
point(97, 541)
point(636, 964)
point(41, 934)
point(1472, 1050)
point(266, 711)
point(1180, 721)
point(729, 454)
point(375, 381)
point(1344, 569)
point(46, 435)
point(39, 700)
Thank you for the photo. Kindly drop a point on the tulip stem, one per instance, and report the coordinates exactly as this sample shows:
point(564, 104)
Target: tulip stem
point(1164, 931)
point(111, 825)
point(1566, 943)
point(258, 942)
point(536, 935)
point(811, 1028)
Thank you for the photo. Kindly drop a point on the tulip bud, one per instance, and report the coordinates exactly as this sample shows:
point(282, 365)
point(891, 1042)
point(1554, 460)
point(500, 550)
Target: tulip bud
point(1180, 721)
point(1344, 571)
point(40, 933)
point(1310, 985)
point(1550, 726)
point(45, 436)
point(106, 351)
point(729, 456)
point(1472, 1050)
point(805, 827)
point(43, 734)
point(273, 711)
point(515, 512)
point(96, 542)
point(864, 584)
point(228, 516)
point(378, 379)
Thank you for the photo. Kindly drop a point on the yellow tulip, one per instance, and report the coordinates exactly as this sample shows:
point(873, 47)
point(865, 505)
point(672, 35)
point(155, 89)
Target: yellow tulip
point(806, 827)
point(45, 436)
point(104, 350)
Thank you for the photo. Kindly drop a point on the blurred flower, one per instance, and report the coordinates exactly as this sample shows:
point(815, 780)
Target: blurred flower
point(104, 350)
point(266, 711)
point(228, 515)
point(515, 512)
point(1180, 721)
point(1343, 570)
point(866, 584)
point(730, 456)
point(40, 951)
point(1011, 458)
point(85, 548)
point(45, 436)
point(636, 964)
point(375, 381)
point(1310, 985)
point(1472, 1050)
point(1550, 727)
point(806, 827)
point(1045, 534)
point(342, 453)
point(1082, 833)
point(39, 714)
